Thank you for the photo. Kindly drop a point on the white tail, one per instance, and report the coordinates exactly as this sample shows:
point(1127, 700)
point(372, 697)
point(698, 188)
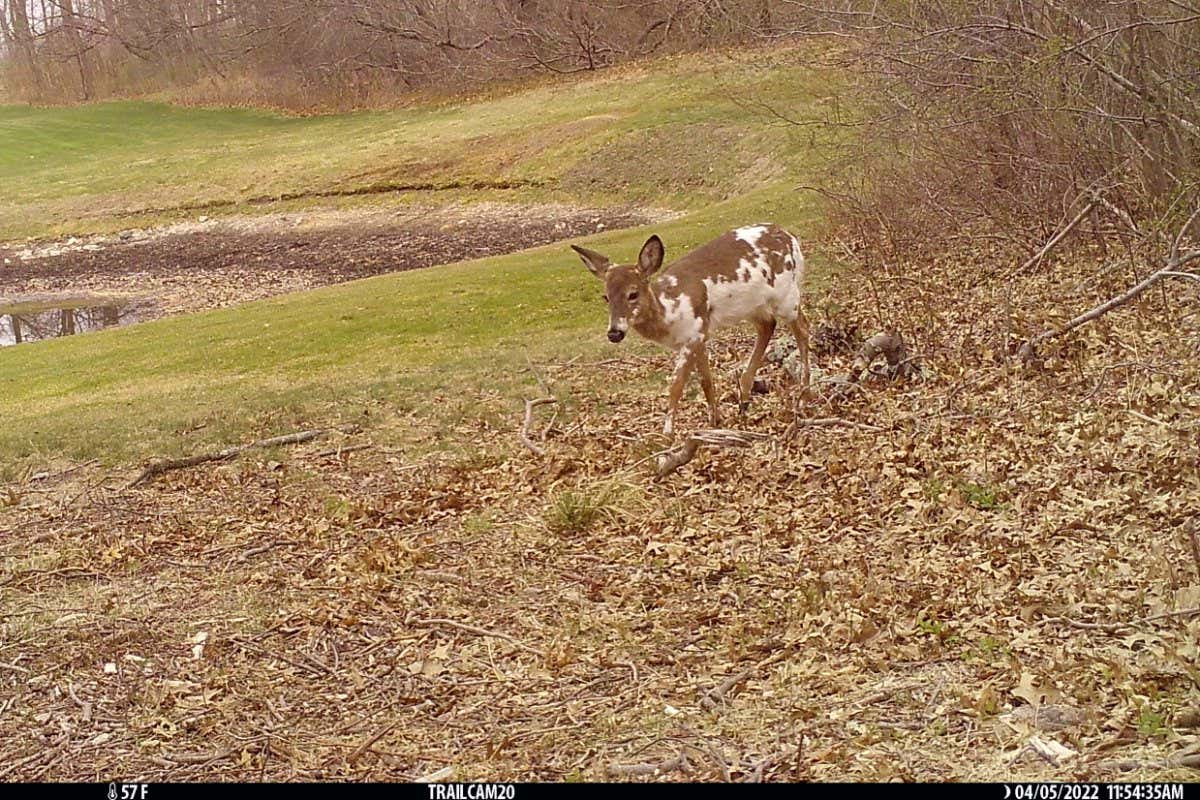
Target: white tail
point(752, 274)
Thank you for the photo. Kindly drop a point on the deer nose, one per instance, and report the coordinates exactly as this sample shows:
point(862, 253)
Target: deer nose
point(615, 335)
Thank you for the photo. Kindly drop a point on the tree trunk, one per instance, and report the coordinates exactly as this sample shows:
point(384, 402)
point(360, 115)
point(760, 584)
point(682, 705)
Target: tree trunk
point(75, 37)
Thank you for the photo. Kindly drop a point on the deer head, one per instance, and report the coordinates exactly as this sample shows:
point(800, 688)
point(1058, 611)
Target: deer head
point(626, 288)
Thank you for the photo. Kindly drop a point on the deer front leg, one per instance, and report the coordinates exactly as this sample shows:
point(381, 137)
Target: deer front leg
point(685, 358)
point(746, 385)
point(706, 382)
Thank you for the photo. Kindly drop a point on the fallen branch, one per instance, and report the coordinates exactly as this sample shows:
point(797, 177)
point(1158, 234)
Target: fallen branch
point(828, 422)
point(313, 665)
point(169, 464)
point(1176, 260)
point(1055, 239)
point(679, 762)
point(1191, 760)
point(449, 623)
point(675, 457)
point(370, 742)
point(525, 440)
point(715, 697)
point(1117, 627)
point(1029, 349)
point(340, 451)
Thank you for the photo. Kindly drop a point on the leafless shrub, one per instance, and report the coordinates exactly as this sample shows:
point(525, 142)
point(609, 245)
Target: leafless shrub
point(337, 53)
point(1002, 121)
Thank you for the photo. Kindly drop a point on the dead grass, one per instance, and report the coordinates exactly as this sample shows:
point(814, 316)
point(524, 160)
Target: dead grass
point(845, 605)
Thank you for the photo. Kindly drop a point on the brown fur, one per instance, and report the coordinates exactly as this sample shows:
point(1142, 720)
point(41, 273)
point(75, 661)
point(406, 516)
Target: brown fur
point(639, 300)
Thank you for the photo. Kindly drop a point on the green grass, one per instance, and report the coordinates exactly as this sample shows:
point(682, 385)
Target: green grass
point(420, 345)
point(93, 168)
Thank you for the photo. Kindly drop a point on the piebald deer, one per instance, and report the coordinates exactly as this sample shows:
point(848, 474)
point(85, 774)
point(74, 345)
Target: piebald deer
point(752, 274)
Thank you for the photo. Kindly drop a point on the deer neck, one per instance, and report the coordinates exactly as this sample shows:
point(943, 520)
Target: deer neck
point(651, 320)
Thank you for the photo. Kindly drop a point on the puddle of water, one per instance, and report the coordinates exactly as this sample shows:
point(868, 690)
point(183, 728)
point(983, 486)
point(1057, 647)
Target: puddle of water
point(20, 324)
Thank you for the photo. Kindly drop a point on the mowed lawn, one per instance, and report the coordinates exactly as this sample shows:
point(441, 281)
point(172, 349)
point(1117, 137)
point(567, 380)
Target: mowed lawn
point(678, 134)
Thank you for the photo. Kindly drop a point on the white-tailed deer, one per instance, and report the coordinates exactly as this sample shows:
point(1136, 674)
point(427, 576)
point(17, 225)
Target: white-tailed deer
point(752, 274)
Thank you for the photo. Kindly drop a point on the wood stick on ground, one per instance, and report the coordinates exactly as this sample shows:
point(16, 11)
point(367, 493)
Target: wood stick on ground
point(1117, 627)
point(679, 762)
point(375, 737)
point(530, 405)
point(316, 667)
point(340, 451)
point(168, 464)
point(1176, 260)
point(674, 458)
point(715, 697)
point(1037, 257)
point(828, 422)
point(449, 623)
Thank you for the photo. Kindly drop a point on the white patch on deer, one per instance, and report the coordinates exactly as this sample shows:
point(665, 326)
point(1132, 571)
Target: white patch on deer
point(751, 234)
point(796, 256)
point(683, 324)
point(670, 281)
point(750, 297)
point(621, 324)
point(681, 357)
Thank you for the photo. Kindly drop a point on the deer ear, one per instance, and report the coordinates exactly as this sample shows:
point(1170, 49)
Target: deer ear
point(596, 262)
point(651, 257)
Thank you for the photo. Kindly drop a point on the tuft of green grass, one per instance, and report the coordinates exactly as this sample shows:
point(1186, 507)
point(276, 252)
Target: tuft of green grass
point(1152, 723)
point(981, 496)
point(575, 511)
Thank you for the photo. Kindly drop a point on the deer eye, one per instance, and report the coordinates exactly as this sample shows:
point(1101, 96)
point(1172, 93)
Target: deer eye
point(633, 296)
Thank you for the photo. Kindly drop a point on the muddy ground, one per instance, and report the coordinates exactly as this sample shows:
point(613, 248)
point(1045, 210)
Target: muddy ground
point(214, 263)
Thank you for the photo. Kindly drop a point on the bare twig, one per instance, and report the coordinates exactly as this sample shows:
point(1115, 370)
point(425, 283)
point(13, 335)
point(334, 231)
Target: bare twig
point(1029, 349)
point(366, 745)
point(679, 762)
point(310, 664)
point(674, 458)
point(1045, 250)
point(828, 422)
point(525, 440)
point(449, 623)
point(1117, 627)
point(166, 465)
point(715, 697)
point(340, 451)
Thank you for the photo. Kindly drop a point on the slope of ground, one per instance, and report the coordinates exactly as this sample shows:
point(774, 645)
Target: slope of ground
point(985, 573)
point(993, 564)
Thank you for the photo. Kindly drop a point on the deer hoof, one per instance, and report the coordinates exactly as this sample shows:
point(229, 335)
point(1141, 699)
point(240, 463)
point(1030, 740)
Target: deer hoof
point(743, 407)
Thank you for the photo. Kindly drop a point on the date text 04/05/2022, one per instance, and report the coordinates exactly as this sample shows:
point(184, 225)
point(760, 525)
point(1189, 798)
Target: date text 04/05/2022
point(1094, 791)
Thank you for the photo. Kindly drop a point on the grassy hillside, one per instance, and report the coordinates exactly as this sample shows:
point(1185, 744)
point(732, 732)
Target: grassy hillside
point(679, 133)
point(677, 136)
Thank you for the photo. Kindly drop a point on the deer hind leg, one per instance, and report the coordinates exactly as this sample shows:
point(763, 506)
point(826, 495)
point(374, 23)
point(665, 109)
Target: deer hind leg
point(746, 384)
point(706, 382)
point(685, 361)
point(800, 331)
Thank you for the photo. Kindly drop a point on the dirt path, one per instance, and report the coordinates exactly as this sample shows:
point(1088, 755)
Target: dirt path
point(215, 263)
